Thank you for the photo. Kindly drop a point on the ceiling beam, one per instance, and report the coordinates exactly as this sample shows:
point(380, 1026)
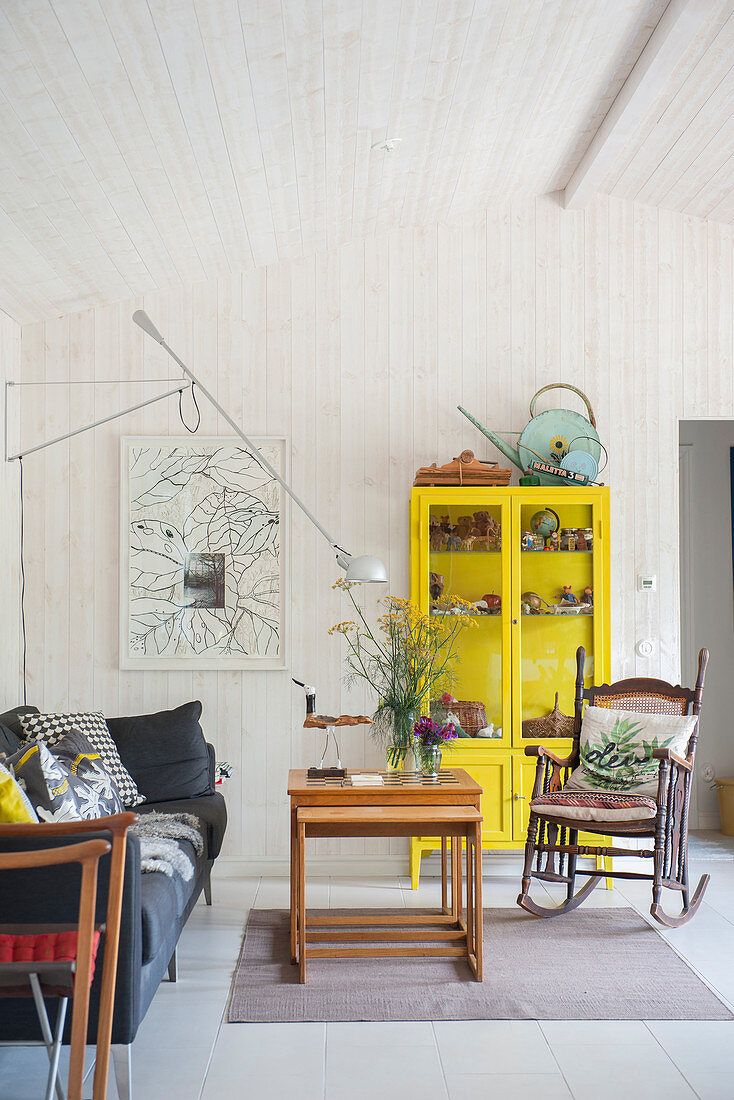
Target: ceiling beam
point(671, 47)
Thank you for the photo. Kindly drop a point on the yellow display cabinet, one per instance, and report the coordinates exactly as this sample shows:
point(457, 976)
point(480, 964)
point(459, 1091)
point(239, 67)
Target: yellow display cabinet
point(481, 542)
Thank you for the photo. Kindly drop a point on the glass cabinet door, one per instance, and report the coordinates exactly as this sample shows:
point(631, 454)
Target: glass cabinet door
point(557, 606)
point(466, 548)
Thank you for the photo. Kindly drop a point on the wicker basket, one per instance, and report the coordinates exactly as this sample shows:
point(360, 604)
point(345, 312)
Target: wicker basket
point(555, 724)
point(472, 716)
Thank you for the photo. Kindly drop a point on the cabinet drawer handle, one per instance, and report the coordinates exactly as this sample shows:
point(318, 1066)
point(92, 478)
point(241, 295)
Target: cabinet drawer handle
point(520, 797)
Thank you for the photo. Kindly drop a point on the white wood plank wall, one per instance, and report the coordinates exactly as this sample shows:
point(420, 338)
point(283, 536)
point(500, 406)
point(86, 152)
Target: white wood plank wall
point(360, 356)
point(9, 525)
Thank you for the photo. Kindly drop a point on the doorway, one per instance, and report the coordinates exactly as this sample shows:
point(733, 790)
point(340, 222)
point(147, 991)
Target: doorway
point(706, 456)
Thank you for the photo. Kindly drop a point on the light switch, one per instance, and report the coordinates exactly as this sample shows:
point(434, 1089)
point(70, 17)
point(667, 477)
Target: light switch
point(647, 582)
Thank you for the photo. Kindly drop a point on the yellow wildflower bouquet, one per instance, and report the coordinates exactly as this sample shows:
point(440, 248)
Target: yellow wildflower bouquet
point(408, 659)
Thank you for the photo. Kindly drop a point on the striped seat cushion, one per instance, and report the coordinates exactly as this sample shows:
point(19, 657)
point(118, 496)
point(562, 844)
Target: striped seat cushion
point(602, 806)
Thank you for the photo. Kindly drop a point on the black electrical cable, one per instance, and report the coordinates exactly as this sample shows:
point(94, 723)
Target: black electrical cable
point(22, 586)
point(196, 406)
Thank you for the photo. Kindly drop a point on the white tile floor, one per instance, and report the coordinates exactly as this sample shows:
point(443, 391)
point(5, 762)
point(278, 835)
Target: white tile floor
point(185, 1050)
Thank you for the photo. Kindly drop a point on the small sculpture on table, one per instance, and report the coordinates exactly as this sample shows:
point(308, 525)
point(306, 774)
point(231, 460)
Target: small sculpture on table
point(329, 723)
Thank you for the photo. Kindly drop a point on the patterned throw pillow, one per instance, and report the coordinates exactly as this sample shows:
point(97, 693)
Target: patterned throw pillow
point(15, 806)
point(51, 728)
point(69, 784)
point(616, 749)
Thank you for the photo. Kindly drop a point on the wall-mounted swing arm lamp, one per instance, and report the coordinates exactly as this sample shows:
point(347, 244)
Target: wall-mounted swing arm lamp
point(365, 567)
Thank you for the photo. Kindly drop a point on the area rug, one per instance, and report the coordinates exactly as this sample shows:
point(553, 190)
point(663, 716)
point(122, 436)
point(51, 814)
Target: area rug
point(602, 964)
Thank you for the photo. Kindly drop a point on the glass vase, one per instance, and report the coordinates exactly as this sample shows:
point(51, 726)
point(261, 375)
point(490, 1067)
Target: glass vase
point(400, 742)
point(431, 762)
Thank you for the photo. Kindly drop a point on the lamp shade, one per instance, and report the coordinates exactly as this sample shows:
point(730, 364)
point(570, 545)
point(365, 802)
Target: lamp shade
point(367, 569)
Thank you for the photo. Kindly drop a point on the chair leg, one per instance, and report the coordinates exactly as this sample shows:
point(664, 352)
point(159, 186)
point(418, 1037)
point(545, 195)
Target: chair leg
point(173, 967)
point(573, 837)
point(122, 1062)
point(529, 854)
point(208, 887)
point(51, 1042)
point(53, 1084)
point(526, 902)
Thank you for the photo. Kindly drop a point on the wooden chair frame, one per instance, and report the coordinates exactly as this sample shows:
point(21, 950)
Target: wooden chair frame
point(551, 841)
point(117, 825)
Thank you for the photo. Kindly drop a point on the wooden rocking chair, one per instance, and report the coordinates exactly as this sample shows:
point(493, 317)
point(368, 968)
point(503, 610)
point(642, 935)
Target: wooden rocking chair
point(664, 818)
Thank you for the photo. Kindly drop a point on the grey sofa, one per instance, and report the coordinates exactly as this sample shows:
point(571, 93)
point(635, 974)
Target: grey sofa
point(155, 909)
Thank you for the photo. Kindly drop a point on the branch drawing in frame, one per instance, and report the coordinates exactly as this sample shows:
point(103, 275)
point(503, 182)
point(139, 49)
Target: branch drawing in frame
point(202, 555)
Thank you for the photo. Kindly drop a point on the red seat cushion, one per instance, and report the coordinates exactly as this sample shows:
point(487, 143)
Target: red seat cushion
point(601, 806)
point(43, 947)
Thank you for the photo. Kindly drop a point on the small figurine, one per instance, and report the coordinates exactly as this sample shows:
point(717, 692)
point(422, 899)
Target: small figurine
point(527, 540)
point(481, 522)
point(464, 525)
point(454, 539)
point(588, 596)
point(493, 602)
point(568, 596)
point(581, 543)
point(436, 583)
point(438, 536)
point(553, 542)
point(468, 542)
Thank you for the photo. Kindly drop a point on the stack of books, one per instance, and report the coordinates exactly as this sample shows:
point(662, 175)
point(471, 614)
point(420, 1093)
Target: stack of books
point(366, 779)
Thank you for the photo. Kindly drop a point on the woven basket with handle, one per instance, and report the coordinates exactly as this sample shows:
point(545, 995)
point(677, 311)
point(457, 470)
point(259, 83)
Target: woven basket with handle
point(555, 724)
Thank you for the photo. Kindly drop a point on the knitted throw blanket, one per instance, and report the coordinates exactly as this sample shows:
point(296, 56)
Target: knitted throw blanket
point(159, 850)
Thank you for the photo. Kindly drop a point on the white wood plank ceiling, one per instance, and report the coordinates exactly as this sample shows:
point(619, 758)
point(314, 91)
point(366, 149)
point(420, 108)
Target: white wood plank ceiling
point(151, 143)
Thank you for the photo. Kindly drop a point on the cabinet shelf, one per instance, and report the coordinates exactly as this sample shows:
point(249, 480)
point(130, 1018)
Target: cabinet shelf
point(516, 667)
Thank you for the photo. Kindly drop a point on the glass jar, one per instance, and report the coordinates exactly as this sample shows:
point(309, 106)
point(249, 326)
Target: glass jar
point(431, 761)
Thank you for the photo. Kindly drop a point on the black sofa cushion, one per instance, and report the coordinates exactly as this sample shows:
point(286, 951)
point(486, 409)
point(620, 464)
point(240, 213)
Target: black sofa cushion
point(163, 899)
point(165, 753)
point(9, 741)
point(11, 721)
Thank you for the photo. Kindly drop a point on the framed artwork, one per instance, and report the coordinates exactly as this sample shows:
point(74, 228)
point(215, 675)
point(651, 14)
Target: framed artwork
point(202, 555)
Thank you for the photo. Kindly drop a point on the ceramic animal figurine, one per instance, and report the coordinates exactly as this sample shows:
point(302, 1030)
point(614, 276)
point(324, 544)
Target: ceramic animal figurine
point(588, 596)
point(454, 539)
point(568, 596)
point(468, 542)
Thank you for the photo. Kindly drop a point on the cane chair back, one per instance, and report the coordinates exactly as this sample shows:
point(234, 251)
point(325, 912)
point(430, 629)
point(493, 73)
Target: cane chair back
point(645, 702)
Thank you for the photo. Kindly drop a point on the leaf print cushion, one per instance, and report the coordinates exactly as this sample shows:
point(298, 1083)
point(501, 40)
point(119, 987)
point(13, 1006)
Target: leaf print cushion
point(616, 749)
point(68, 784)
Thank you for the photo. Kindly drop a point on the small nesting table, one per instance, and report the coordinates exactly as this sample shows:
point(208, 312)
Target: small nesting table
point(404, 804)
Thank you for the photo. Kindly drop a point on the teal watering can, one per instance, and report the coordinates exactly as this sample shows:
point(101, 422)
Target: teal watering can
point(550, 436)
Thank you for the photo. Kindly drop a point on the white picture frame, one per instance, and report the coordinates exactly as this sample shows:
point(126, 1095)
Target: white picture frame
point(203, 553)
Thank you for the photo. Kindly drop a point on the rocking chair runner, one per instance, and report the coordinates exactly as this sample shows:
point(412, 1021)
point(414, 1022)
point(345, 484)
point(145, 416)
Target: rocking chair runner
point(665, 818)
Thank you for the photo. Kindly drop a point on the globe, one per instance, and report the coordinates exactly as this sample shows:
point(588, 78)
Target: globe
point(544, 523)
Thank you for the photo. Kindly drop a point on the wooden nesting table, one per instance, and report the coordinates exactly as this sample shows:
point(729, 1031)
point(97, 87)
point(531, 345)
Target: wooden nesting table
point(403, 805)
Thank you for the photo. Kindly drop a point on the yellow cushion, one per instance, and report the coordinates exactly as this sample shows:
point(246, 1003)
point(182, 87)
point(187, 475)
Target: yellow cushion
point(14, 805)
